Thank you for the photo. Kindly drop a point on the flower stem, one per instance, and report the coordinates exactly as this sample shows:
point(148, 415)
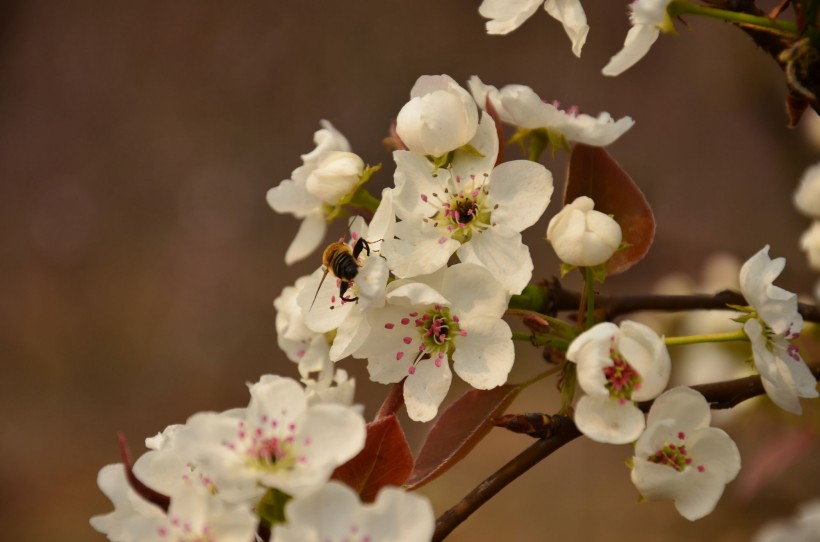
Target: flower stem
point(589, 289)
point(364, 199)
point(738, 335)
point(682, 7)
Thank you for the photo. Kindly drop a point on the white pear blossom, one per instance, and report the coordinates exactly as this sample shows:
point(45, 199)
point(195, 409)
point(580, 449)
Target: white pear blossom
point(771, 326)
point(810, 243)
point(328, 173)
point(334, 512)
point(478, 216)
point(279, 441)
point(804, 527)
point(807, 196)
point(320, 302)
point(308, 348)
point(648, 18)
point(582, 236)
point(681, 458)
point(440, 116)
point(195, 500)
point(455, 315)
point(507, 15)
point(616, 368)
point(520, 106)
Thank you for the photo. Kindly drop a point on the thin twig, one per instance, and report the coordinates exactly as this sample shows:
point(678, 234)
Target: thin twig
point(720, 395)
point(564, 431)
point(558, 299)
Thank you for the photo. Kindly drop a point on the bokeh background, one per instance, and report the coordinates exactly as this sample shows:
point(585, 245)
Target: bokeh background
point(139, 260)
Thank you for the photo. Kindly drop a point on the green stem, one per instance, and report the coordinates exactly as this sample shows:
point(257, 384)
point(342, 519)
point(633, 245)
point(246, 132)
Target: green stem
point(540, 340)
point(681, 7)
point(363, 198)
point(739, 335)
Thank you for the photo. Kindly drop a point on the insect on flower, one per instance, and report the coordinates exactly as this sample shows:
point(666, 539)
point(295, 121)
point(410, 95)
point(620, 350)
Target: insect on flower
point(343, 261)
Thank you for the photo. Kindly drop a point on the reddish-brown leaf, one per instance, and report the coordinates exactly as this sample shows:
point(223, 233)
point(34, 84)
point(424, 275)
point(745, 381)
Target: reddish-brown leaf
point(594, 173)
point(386, 460)
point(458, 429)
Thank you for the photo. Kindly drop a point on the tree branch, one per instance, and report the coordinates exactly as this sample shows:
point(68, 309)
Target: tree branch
point(564, 431)
point(720, 395)
point(609, 307)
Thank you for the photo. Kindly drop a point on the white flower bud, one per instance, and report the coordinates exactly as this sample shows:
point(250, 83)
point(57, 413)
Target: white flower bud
point(582, 236)
point(335, 176)
point(440, 117)
point(807, 197)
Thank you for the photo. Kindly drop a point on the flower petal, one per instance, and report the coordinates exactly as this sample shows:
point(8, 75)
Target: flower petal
point(484, 356)
point(425, 389)
point(507, 15)
point(501, 251)
point(638, 41)
point(310, 235)
point(522, 191)
point(571, 14)
point(604, 419)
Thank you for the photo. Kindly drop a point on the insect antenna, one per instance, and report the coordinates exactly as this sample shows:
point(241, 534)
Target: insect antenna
point(319, 288)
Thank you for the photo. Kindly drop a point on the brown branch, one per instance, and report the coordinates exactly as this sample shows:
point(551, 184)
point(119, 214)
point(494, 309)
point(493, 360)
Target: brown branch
point(609, 307)
point(564, 431)
point(720, 395)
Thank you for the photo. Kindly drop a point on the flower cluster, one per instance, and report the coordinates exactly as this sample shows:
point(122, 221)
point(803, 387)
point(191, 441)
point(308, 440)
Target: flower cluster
point(217, 476)
point(393, 298)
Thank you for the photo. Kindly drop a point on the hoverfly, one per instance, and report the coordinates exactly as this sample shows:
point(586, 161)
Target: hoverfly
point(343, 262)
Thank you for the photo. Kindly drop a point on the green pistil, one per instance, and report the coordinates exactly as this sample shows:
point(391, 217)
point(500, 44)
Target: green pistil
point(437, 329)
point(622, 378)
point(674, 456)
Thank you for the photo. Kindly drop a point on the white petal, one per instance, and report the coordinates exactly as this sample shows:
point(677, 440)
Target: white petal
point(522, 189)
point(409, 293)
point(686, 406)
point(507, 15)
point(413, 177)
point(400, 516)
point(608, 420)
point(350, 336)
point(527, 109)
point(473, 291)
point(466, 163)
point(308, 238)
point(292, 197)
point(776, 306)
point(327, 513)
point(484, 356)
point(647, 353)
point(327, 312)
point(571, 14)
point(638, 41)
point(716, 451)
point(423, 252)
point(426, 388)
point(597, 131)
point(501, 251)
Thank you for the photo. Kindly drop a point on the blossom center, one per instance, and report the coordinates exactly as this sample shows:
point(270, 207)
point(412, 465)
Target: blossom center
point(621, 378)
point(269, 446)
point(462, 209)
point(435, 330)
point(674, 455)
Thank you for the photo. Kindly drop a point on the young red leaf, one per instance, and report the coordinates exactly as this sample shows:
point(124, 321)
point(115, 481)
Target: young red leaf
point(386, 460)
point(594, 173)
point(459, 428)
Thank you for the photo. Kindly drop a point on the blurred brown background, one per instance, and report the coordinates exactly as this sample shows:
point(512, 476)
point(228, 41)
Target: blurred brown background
point(138, 258)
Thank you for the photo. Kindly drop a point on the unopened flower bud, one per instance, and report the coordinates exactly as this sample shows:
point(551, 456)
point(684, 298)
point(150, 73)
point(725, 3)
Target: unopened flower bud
point(582, 236)
point(440, 117)
point(335, 176)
